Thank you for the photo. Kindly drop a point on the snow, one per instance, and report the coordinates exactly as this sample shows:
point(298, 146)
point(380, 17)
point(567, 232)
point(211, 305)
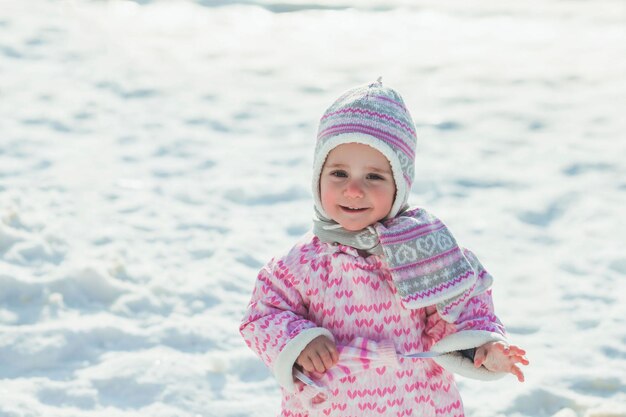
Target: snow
point(155, 154)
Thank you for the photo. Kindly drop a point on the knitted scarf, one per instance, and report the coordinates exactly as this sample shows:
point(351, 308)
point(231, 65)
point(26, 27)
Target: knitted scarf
point(427, 265)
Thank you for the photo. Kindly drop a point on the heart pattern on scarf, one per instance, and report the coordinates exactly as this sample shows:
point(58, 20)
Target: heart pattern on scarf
point(367, 239)
point(445, 242)
point(405, 254)
point(427, 245)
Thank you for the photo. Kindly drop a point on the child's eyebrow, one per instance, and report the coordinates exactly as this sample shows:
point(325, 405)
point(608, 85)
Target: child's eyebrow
point(333, 166)
point(369, 168)
point(382, 171)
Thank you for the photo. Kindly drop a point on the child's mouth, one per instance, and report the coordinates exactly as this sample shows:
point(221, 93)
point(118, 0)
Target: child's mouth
point(353, 209)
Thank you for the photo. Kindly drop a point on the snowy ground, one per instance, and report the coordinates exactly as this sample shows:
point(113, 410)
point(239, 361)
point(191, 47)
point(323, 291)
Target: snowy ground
point(154, 155)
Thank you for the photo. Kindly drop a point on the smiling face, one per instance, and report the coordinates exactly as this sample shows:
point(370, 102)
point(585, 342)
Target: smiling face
point(356, 186)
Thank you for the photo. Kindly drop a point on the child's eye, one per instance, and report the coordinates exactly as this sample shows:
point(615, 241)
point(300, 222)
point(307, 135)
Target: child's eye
point(340, 174)
point(374, 177)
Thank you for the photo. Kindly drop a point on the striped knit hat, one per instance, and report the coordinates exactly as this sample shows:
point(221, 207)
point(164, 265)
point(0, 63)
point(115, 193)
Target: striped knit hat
point(373, 115)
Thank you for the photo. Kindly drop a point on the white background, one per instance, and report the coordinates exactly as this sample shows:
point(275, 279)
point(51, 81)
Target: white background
point(155, 154)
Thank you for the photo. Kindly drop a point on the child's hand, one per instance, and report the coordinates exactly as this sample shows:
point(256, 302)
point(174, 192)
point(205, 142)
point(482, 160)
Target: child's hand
point(319, 355)
point(500, 357)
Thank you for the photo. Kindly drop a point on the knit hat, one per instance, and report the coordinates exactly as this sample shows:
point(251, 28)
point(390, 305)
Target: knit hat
point(373, 115)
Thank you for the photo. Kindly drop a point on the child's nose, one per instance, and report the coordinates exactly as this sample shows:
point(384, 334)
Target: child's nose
point(354, 189)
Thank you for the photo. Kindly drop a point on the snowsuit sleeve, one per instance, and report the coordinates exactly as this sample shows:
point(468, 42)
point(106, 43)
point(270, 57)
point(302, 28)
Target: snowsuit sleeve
point(275, 325)
point(476, 325)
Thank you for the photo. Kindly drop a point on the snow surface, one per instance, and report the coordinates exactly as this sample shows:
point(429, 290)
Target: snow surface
point(155, 154)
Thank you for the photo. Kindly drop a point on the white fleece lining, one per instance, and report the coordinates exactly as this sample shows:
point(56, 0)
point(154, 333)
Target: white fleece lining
point(382, 147)
point(453, 361)
point(283, 367)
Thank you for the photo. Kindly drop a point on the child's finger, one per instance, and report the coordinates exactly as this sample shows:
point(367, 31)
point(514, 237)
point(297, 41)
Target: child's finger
point(334, 355)
point(519, 359)
point(318, 364)
point(326, 358)
point(332, 349)
point(479, 357)
point(518, 373)
point(307, 364)
point(503, 348)
point(516, 351)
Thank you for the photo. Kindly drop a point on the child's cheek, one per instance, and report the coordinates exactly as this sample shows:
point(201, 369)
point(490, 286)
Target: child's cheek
point(384, 197)
point(327, 196)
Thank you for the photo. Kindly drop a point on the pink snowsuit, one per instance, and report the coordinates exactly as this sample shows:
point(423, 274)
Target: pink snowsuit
point(323, 289)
